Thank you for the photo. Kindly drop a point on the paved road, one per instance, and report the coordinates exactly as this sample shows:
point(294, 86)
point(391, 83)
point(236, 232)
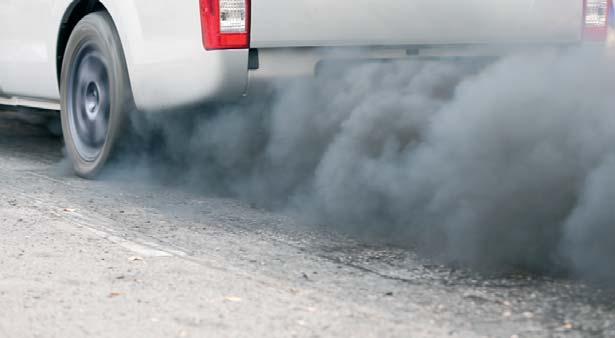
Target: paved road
point(122, 258)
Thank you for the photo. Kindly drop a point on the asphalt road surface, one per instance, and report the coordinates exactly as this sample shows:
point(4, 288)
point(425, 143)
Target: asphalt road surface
point(123, 258)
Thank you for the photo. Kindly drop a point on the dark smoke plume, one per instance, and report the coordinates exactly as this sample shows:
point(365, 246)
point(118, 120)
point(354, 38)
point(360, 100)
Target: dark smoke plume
point(509, 164)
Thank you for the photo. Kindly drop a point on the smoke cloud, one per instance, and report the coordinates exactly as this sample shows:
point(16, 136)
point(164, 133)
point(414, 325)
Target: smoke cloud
point(500, 165)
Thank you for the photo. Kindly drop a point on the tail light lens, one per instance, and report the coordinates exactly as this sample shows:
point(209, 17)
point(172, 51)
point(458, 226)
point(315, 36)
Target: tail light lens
point(596, 19)
point(225, 24)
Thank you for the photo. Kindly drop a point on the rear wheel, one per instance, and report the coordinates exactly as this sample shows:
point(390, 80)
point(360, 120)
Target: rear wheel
point(95, 93)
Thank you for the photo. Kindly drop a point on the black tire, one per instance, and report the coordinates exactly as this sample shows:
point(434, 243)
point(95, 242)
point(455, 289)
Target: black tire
point(96, 96)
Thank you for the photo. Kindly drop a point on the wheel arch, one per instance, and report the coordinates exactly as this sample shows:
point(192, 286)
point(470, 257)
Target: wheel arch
point(77, 10)
point(168, 70)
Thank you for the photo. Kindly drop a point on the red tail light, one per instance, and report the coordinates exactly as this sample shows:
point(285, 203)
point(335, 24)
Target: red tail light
point(596, 19)
point(225, 24)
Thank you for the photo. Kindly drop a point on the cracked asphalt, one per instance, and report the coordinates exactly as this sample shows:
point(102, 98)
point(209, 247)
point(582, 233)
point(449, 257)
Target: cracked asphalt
point(124, 258)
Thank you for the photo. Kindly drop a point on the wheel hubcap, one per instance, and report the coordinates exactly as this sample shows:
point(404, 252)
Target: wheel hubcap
point(92, 100)
point(89, 102)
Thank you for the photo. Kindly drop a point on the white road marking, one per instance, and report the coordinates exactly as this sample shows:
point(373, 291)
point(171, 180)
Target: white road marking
point(135, 247)
point(96, 224)
point(142, 247)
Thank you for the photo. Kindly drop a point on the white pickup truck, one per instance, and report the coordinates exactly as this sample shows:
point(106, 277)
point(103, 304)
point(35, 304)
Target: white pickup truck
point(95, 60)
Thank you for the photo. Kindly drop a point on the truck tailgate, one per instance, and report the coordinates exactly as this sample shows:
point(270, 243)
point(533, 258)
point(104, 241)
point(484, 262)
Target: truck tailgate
point(297, 23)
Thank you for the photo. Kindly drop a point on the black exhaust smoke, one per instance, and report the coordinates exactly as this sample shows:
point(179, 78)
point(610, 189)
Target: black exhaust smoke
point(507, 165)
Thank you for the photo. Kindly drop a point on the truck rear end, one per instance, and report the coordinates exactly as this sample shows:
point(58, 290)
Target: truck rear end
point(189, 53)
point(279, 23)
point(290, 38)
